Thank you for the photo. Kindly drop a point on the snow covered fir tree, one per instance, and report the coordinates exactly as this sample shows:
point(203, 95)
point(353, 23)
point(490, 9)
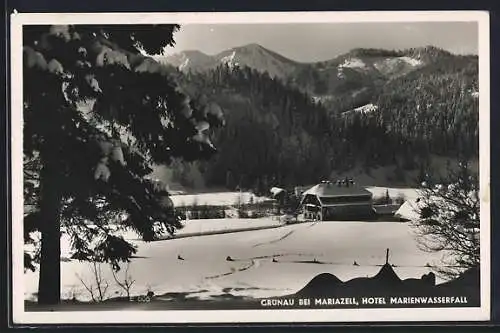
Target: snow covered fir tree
point(97, 115)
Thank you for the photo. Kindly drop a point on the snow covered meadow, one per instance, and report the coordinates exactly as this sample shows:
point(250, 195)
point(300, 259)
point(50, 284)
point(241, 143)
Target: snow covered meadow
point(276, 260)
point(216, 199)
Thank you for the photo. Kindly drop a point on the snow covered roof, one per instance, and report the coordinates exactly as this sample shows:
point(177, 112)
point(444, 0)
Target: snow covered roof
point(367, 108)
point(276, 190)
point(334, 190)
point(409, 210)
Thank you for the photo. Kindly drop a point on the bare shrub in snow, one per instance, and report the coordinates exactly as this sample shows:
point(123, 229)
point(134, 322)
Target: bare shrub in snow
point(449, 220)
point(125, 281)
point(96, 286)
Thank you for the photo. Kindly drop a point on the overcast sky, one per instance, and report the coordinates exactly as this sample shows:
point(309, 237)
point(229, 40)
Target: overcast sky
point(322, 41)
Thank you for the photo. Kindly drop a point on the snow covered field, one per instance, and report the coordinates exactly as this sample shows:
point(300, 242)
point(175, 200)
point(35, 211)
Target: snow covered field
point(204, 273)
point(224, 225)
point(216, 199)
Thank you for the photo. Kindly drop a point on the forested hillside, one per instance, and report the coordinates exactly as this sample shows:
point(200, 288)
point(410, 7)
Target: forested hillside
point(357, 77)
point(278, 132)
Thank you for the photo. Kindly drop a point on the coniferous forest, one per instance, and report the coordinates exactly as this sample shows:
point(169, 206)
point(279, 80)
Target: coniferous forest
point(278, 133)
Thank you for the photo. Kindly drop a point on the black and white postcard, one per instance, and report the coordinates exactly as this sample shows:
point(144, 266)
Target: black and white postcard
point(250, 167)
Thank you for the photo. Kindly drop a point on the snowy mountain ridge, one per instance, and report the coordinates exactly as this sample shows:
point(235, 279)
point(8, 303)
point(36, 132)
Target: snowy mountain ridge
point(255, 56)
point(252, 55)
point(342, 83)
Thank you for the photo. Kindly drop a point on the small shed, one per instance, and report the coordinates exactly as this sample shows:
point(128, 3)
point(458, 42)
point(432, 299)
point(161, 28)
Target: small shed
point(277, 192)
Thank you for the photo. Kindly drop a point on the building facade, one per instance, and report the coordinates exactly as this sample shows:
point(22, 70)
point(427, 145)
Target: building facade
point(342, 200)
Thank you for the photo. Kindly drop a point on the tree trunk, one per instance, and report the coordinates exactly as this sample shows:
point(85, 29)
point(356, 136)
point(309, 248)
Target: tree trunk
point(49, 285)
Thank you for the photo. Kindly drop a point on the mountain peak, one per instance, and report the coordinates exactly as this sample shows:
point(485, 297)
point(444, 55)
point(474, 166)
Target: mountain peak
point(194, 52)
point(428, 52)
point(251, 55)
point(250, 46)
point(189, 60)
point(256, 56)
point(373, 52)
point(430, 48)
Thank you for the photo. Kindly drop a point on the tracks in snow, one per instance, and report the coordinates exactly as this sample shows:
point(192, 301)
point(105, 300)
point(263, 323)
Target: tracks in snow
point(253, 263)
point(233, 271)
point(285, 236)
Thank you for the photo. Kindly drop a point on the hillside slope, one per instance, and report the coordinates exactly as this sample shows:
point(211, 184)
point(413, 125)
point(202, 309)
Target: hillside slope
point(415, 118)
